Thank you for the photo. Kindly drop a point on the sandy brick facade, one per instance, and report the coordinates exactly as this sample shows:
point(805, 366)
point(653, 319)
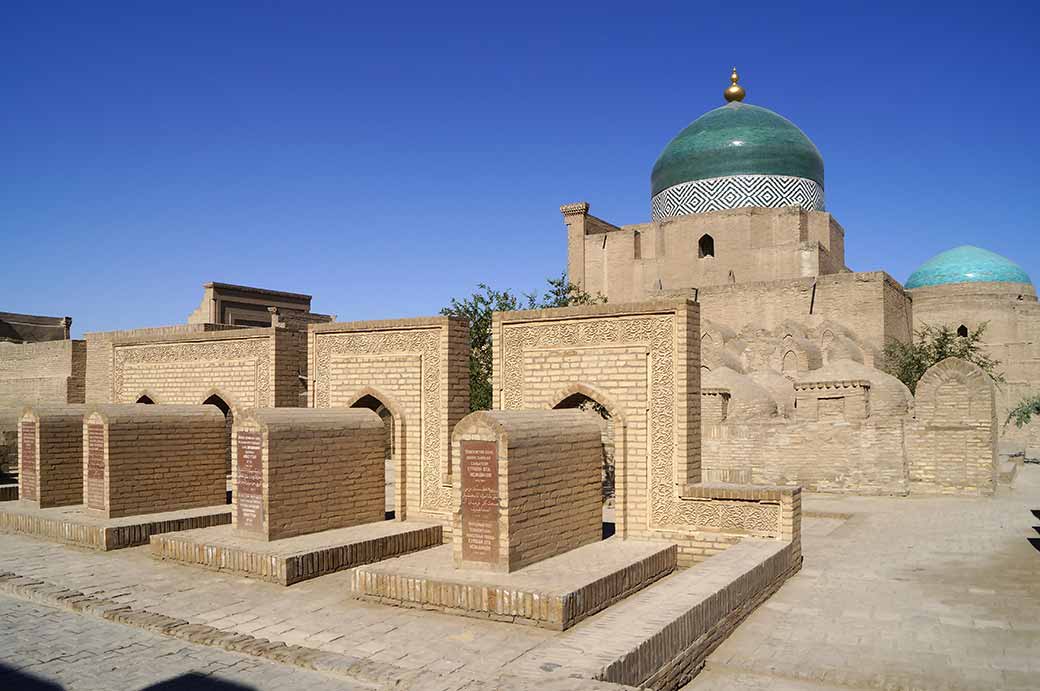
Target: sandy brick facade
point(856, 430)
point(50, 443)
point(142, 459)
point(1012, 336)
point(826, 456)
point(9, 418)
point(636, 360)
point(537, 487)
point(247, 368)
point(301, 471)
point(952, 447)
point(542, 357)
point(630, 263)
point(100, 353)
point(419, 370)
point(46, 372)
point(866, 308)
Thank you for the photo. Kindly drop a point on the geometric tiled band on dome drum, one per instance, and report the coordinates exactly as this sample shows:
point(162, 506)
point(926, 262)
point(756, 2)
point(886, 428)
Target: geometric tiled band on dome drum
point(736, 192)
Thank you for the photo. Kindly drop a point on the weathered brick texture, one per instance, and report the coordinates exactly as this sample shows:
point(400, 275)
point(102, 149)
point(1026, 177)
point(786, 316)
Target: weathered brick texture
point(9, 418)
point(51, 455)
point(548, 468)
point(641, 362)
point(319, 470)
point(257, 367)
point(141, 459)
point(47, 372)
point(418, 369)
point(1011, 314)
point(953, 447)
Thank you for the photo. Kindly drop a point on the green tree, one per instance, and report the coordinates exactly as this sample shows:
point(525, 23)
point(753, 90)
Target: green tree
point(477, 310)
point(932, 344)
point(1024, 411)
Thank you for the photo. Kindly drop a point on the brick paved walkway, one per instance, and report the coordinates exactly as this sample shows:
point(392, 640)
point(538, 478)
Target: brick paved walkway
point(913, 592)
point(316, 614)
point(907, 593)
point(48, 649)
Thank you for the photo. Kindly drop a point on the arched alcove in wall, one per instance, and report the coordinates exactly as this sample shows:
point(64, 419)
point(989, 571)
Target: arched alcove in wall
point(229, 420)
point(583, 398)
point(373, 403)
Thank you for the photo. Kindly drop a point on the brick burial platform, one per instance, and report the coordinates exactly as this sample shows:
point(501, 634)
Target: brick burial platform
point(294, 559)
point(77, 525)
point(555, 593)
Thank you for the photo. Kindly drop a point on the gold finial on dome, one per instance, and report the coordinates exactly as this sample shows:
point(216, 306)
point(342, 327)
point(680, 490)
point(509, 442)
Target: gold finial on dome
point(735, 92)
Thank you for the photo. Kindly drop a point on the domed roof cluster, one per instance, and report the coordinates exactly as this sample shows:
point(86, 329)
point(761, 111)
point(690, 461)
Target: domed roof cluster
point(966, 264)
point(735, 156)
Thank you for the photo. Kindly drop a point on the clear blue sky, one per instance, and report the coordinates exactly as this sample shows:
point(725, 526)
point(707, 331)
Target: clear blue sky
point(387, 156)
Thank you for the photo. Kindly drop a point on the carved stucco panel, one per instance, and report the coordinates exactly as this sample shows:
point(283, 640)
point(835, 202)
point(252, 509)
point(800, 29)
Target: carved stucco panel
point(657, 334)
point(197, 354)
point(433, 495)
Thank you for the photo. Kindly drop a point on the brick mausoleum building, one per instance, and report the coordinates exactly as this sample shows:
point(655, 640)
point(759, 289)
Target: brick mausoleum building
point(791, 339)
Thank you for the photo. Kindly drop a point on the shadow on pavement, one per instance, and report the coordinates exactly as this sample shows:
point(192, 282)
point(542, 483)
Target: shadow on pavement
point(17, 680)
point(192, 681)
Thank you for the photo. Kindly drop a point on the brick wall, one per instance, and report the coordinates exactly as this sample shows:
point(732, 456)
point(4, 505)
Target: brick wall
point(641, 361)
point(855, 457)
point(548, 494)
point(152, 458)
point(100, 345)
point(871, 306)
point(47, 372)
point(953, 444)
point(752, 244)
point(1012, 316)
point(607, 352)
point(244, 367)
point(319, 470)
point(55, 469)
point(8, 441)
point(419, 370)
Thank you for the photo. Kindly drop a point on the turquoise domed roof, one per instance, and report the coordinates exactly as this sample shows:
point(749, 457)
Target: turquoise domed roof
point(967, 264)
point(737, 139)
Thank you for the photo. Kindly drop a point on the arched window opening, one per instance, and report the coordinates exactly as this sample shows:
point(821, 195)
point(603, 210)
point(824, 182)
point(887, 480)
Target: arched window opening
point(706, 246)
point(962, 331)
point(229, 421)
point(376, 406)
point(606, 425)
point(145, 400)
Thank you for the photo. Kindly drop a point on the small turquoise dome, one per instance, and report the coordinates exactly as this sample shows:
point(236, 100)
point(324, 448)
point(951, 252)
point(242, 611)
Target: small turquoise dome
point(967, 264)
point(737, 139)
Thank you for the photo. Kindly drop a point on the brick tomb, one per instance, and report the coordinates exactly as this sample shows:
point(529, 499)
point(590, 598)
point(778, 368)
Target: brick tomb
point(526, 544)
point(142, 470)
point(308, 499)
point(50, 455)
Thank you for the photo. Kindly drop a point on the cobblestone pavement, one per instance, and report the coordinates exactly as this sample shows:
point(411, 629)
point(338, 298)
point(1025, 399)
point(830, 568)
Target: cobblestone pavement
point(48, 649)
point(895, 593)
point(316, 614)
point(922, 593)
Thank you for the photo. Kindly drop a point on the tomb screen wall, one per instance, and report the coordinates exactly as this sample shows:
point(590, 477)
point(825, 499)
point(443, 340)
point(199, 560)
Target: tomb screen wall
point(952, 448)
point(419, 370)
point(245, 367)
